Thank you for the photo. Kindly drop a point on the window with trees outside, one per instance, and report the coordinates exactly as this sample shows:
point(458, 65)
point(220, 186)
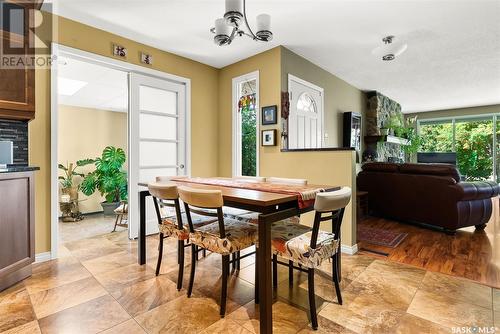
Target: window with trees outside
point(248, 113)
point(476, 141)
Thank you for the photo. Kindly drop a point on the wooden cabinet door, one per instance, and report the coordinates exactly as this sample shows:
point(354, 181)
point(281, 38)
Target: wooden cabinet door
point(17, 83)
point(16, 222)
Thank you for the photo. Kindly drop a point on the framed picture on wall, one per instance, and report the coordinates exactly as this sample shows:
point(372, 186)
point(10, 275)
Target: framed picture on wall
point(269, 115)
point(269, 137)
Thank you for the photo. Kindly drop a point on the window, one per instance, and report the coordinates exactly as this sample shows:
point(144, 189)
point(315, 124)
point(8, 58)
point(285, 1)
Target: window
point(472, 138)
point(245, 125)
point(306, 104)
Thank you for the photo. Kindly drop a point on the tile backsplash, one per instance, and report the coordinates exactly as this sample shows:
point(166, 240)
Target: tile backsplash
point(17, 132)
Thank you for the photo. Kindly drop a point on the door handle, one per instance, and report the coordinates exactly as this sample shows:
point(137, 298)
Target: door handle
point(181, 166)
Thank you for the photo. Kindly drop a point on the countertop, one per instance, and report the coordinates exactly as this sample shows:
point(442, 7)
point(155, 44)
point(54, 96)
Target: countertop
point(18, 169)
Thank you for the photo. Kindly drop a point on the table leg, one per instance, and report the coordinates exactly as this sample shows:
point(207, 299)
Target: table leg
point(265, 286)
point(142, 227)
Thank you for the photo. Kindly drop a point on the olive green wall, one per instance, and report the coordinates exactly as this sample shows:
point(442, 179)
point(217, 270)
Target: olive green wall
point(339, 95)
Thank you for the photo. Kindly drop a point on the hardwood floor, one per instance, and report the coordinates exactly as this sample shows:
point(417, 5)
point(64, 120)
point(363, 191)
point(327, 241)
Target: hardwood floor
point(469, 254)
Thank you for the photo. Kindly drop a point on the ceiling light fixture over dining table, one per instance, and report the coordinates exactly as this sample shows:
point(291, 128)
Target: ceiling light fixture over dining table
point(230, 26)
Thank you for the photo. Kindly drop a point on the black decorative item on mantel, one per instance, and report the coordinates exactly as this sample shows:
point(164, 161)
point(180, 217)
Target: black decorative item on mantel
point(370, 155)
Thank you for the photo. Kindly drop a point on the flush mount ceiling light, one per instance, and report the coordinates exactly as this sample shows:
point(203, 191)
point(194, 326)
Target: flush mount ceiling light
point(391, 49)
point(228, 27)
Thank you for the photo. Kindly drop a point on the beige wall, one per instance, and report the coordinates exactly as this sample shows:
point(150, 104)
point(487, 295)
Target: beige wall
point(331, 167)
point(204, 104)
point(493, 109)
point(84, 133)
point(339, 95)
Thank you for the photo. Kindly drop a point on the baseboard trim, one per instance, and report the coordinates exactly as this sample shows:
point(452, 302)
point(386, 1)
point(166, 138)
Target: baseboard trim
point(351, 250)
point(42, 257)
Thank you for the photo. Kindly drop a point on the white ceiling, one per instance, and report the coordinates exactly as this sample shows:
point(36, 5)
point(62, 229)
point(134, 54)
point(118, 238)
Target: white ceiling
point(105, 88)
point(453, 56)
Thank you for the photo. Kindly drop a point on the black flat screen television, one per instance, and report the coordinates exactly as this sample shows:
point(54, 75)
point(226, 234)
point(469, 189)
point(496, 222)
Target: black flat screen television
point(437, 157)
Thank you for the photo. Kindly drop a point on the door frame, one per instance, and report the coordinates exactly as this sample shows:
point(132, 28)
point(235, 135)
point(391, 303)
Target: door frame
point(236, 144)
point(291, 78)
point(59, 50)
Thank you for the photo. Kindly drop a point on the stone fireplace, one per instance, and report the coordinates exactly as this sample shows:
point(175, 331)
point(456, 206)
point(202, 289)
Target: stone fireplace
point(379, 111)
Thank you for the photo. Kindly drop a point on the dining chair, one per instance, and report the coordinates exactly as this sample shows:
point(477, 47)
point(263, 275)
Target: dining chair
point(121, 213)
point(172, 225)
point(226, 236)
point(310, 247)
point(283, 180)
point(250, 178)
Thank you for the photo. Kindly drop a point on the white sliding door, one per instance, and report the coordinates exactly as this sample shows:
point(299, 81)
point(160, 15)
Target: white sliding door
point(157, 126)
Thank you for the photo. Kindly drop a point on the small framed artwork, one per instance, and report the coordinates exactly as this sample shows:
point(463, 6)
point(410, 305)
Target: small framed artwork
point(119, 51)
point(146, 58)
point(269, 115)
point(269, 137)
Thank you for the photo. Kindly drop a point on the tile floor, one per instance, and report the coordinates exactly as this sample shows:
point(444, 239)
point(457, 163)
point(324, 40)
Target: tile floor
point(97, 287)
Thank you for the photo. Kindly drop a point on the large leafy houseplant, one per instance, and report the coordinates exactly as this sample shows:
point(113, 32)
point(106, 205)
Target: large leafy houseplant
point(108, 178)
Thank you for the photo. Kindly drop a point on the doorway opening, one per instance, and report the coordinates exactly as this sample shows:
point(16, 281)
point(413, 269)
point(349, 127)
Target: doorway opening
point(92, 150)
point(108, 112)
point(246, 125)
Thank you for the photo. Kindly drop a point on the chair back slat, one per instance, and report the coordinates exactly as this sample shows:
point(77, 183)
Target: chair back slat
point(333, 205)
point(283, 180)
point(165, 194)
point(196, 199)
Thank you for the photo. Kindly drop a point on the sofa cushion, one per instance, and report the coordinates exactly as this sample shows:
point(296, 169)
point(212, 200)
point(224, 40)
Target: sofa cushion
point(431, 169)
point(387, 167)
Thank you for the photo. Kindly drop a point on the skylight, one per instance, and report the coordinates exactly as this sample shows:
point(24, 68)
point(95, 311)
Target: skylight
point(69, 87)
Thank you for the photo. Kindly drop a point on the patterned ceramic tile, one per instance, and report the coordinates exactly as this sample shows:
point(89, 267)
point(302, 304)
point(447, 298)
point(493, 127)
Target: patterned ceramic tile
point(54, 300)
point(15, 308)
point(90, 317)
point(449, 312)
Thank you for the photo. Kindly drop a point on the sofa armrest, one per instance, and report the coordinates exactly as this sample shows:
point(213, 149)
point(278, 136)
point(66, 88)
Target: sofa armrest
point(468, 191)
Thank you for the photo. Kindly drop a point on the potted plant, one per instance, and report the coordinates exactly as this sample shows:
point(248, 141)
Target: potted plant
point(108, 178)
point(67, 181)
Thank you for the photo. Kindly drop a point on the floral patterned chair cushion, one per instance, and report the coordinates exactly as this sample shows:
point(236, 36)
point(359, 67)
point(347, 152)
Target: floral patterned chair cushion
point(169, 226)
point(253, 217)
point(292, 241)
point(240, 234)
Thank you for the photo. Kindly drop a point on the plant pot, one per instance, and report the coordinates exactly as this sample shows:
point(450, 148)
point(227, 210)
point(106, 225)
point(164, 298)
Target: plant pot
point(384, 132)
point(109, 208)
point(72, 192)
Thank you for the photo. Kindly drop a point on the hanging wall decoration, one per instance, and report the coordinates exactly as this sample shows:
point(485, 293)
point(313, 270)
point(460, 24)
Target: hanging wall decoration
point(119, 51)
point(247, 101)
point(285, 104)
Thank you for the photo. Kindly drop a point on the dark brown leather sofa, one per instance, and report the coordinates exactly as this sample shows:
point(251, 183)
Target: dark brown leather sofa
point(427, 194)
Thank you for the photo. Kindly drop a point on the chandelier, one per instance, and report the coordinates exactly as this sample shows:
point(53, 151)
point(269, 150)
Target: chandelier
point(228, 27)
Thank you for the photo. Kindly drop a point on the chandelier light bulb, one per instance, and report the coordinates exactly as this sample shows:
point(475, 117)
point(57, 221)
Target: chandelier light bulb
point(264, 27)
point(234, 12)
point(222, 32)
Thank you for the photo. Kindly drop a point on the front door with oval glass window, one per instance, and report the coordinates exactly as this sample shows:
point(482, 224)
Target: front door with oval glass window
point(305, 124)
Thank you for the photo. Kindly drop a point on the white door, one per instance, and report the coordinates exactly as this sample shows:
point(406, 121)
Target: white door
point(305, 123)
point(157, 138)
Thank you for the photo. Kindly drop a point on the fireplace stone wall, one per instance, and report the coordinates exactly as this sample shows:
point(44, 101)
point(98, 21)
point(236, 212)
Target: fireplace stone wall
point(380, 109)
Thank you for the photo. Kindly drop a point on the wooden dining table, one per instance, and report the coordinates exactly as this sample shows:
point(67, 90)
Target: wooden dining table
point(272, 207)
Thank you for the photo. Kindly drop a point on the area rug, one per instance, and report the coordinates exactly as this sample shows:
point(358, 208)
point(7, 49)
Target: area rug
point(380, 237)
